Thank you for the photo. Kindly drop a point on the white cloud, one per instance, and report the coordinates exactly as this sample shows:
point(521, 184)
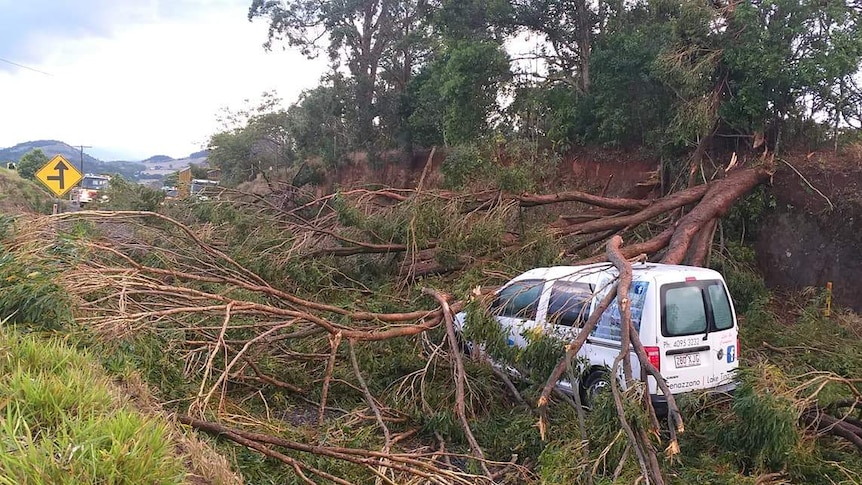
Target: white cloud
point(151, 87)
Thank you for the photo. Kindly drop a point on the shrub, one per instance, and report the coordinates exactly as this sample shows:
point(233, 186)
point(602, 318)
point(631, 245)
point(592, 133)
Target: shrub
point(462, 164)
point(764, 432)
point(30, 296)
point(125, 195)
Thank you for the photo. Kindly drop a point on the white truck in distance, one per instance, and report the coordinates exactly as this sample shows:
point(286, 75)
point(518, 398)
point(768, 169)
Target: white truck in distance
point(90, 187)
point(684, 316)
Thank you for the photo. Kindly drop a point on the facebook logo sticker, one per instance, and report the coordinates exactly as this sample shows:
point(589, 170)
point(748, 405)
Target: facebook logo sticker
point(731, 353)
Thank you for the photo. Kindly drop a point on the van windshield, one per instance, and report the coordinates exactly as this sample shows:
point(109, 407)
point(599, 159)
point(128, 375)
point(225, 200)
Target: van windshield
point(691, 307)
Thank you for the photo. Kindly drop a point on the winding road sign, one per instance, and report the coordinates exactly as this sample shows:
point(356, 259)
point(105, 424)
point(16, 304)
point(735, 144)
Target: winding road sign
point(59, 175)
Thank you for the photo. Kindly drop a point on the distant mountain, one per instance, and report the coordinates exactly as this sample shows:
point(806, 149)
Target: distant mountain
point(158, 159)
point(161, 165)
point(50, 148)
point(129, 170)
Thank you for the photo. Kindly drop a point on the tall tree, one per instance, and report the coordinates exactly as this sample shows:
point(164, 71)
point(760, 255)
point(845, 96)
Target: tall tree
point(569, 28)
point(744, 69)
point(360, 32)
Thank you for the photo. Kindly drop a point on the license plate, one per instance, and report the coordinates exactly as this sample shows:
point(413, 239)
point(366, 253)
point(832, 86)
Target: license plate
point(686, 360)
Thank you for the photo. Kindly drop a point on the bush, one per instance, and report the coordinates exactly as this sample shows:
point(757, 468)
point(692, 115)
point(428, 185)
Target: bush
point(764, 432)
point(124, 195)
point(29, 295)
point(462, 164)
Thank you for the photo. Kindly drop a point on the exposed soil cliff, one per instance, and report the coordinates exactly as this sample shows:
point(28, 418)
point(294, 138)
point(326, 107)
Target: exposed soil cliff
point(807, 240)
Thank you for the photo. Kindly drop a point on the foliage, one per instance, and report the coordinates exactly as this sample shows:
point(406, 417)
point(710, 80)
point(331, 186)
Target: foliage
point(30, 296)
point(765, 430)
point(30, 163)
point(745, 284)
point(462, 164)
point(61, 422)
point(458, 90)
point(744, 218)
point(380, 42)
point(124, 195)
point(254, 140)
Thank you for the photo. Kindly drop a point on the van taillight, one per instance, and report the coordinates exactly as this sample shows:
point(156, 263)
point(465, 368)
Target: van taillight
point(654, 356)
point(738, 348)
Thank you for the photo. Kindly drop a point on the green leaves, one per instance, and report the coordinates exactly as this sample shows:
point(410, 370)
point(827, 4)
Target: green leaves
point(31, 163)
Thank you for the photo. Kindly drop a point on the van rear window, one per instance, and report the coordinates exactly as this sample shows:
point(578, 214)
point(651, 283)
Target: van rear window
point(693, 307)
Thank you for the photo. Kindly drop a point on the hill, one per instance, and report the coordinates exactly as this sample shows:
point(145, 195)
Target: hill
point(18, 195)
point(50, 148)
point(161, 165)
point(129, 170)
point(157, 159)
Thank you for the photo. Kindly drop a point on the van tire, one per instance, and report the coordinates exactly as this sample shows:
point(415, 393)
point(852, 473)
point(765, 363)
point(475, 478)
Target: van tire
point(596, 383)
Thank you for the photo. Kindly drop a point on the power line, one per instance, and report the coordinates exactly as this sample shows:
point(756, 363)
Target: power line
point(7, 61)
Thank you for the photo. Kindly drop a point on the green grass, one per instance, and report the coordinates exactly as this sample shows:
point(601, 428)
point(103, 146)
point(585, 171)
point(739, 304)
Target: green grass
point(62, 421)
point(20, 195)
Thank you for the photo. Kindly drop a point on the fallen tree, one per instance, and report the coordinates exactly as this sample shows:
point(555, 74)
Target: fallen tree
point(239, 324)
point(678, 228)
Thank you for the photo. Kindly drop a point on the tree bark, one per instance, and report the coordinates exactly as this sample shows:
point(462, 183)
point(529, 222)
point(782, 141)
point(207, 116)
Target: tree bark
point(722, 194)
point(658, 207)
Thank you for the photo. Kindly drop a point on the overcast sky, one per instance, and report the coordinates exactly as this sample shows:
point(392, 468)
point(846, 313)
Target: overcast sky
point(135, 78)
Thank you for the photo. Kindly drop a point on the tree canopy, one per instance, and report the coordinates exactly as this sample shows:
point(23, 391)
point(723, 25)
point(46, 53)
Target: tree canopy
point(663, 75)
point(30, 163)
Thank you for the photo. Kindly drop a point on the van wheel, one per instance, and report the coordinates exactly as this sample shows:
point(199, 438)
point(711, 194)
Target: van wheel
point(596, 383)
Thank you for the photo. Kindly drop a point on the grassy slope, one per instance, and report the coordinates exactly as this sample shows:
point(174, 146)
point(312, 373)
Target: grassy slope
point(19, 195)
point(62, 421)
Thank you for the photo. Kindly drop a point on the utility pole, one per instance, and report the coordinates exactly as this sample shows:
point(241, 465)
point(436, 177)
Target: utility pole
point(81, 183)
point(82, 147)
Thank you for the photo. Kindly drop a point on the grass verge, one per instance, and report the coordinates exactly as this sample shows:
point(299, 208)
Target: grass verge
point(63, 422)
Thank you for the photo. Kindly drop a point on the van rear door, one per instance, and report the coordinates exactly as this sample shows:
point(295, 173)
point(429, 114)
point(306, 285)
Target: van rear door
point(698, 335)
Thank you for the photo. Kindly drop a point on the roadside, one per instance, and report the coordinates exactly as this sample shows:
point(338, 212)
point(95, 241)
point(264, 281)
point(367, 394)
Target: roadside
point(63, 418)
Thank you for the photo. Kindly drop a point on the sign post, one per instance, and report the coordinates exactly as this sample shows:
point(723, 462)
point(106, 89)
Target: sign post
point(59, 175)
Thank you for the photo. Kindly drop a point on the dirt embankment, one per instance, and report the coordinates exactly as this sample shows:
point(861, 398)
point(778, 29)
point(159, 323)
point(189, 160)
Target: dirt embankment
point(813, 235)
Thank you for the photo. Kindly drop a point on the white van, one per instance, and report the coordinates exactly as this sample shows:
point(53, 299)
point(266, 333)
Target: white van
point(684, 314)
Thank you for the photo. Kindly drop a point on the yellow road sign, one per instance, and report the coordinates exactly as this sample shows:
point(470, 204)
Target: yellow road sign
point(59, 175)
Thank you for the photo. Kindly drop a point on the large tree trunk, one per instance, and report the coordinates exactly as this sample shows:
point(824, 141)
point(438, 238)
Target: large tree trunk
point(721, 195)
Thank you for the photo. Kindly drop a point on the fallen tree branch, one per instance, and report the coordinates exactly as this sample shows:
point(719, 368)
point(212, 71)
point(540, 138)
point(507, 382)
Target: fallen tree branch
point(528, 200)
point(658, 207)
point(406, 463)
point(460, 377)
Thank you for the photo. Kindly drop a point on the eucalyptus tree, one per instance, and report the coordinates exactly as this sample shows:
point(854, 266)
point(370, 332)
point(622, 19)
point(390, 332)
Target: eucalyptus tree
point(366, 35)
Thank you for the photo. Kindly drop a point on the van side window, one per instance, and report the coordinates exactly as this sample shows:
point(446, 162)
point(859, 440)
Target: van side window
point(609, 325)
point(519, 300)
point(570, 303)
